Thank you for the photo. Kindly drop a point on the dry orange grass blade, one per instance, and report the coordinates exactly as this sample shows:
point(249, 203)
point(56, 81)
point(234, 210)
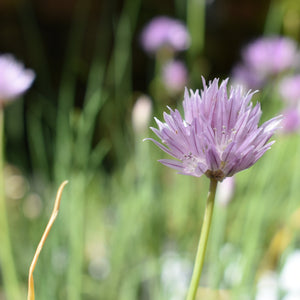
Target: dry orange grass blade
point(53, 216)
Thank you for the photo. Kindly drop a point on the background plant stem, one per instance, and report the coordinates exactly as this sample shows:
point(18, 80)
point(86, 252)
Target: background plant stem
point(7, 261)
point(196, 28)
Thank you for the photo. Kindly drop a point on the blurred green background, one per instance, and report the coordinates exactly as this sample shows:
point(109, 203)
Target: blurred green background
point(128, 227)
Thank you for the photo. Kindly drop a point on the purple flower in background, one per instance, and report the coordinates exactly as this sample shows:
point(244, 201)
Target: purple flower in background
point(219, 135)
point(174, 75)
point(289, 89)
point(291, 120)
point(14, 79)
point(242, 75)
point(164, 31)
point(264, 58)
point(270, 55)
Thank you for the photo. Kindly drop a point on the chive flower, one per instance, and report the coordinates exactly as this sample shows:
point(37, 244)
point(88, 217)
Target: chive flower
point(264, 59)
point(14, 78)
point(165, 32)
point(219, 135)
point(271, 55)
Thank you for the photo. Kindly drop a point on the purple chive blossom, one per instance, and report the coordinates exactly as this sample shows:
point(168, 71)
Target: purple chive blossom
point(264, 58)
point(219, 135)
point(270, 55)
point(14, 79)
point(289, 89)
point(164, 31)
point(174, 75)
point(291, 120)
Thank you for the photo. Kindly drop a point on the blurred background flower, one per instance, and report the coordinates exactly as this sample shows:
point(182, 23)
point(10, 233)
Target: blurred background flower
point(175, 274)
point(267, 287)
point(175, 76)
point(288, 279)
point(165, 32)
point(291, 120)
point(289, 89)
point(265, 58)
point(14, 78)
point(270, 55)
point(141, 114)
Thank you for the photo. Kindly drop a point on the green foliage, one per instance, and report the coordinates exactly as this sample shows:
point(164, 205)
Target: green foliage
point(122, 211)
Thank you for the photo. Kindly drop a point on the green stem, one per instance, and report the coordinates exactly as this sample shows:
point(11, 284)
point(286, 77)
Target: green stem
point(196, 26)
point(8, 269)
point(203, 240)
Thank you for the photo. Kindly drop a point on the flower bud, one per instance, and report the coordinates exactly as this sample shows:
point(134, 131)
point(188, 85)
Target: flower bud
point(141, 114)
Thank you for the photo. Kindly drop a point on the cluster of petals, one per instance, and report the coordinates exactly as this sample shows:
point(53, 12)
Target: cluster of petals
point(264, 58)
point(14, 79)
point(219, 135)
point(164, 31)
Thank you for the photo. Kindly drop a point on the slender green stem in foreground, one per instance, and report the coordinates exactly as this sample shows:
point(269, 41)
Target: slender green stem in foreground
point(9, 274)
point(203, 240)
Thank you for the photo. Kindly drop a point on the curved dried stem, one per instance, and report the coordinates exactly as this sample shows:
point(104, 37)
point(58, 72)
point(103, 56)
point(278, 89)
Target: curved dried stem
point(53, 216)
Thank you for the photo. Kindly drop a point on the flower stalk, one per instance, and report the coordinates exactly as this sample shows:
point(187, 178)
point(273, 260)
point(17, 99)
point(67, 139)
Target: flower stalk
point(9, 273)
point(203, 240)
